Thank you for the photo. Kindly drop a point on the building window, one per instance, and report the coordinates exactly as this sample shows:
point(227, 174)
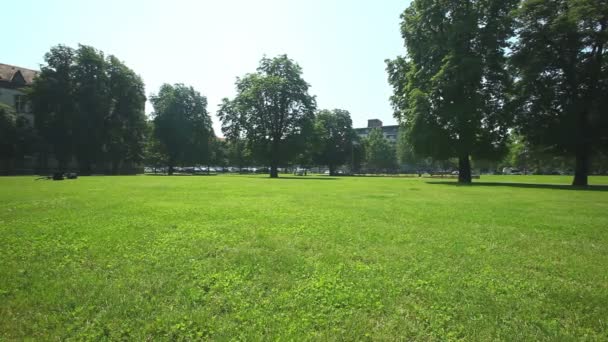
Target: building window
point(20, 103)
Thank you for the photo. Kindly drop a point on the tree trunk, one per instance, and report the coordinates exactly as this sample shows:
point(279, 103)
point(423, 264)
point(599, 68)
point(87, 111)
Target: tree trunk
point(274, 169)
point(274, 159)
point(332, 171)
point(85, 168)
point(170, 170)
point(464, 169)
point(583, 148)
point(582, 167)
point(115, 167)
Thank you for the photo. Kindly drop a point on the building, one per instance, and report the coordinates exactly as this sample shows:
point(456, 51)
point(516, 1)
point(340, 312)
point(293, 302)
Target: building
point(13, 82)
point(391, 133)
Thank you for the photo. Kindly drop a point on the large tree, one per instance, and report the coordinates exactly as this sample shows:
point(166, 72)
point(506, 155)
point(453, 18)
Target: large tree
point(8, 138)
point(90, 107)
point(182, 125)
point(92, 101)
point(333, 138)
point(450, 91)
point(380, 153)
point(53, 104)
point(126, 130)
point(272, 110)
point(528, 157)
point(561, 64)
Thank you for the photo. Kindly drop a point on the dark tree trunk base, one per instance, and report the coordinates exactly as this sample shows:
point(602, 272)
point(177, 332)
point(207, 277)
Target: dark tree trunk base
point(582, 168)
point(274, 171)
point(464, 170)
point(580, 181)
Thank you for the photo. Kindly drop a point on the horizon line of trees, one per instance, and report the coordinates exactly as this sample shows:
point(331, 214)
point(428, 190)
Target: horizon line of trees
point(483, 81)
point(89, 108)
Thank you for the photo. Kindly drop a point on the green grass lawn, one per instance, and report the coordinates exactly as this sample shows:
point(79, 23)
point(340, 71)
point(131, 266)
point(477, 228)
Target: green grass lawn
point(252, 258)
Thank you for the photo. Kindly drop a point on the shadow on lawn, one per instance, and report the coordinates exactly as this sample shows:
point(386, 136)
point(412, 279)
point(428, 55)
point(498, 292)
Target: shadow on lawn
point(530, 186)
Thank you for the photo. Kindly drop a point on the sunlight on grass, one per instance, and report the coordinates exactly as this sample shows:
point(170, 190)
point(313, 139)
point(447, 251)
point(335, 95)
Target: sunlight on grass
point(236, 257)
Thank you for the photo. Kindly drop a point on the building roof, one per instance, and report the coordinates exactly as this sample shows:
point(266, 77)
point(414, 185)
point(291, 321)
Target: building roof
point(22, 76)
point(383, 128)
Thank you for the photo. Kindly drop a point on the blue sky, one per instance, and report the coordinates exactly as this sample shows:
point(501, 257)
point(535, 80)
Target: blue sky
point(341, 45)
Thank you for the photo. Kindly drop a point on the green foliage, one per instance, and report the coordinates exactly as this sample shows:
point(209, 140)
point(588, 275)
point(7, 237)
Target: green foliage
point(451, 90)
point(8, 133)
point(126, 123)
point(333, 138)
point(239, 154)
point(182, 125)
point(533, 158)
point(380, 154)
point(155, 154)
point(89, 106)
point(560, 62)
point(92, 103)
point(353, 258)
point(53, 103)
point(219, 152)
point(17, 138)
point(358, 154)
point(272, 111)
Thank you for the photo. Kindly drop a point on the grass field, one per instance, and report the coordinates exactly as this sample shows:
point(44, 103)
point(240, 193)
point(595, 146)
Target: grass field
point(252, 258)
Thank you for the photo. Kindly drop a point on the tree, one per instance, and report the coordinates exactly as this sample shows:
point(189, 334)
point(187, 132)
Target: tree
point(125, 124)
point(561, 65)
point(219, 149)
point(92, 103)
point(53, 106)
point(405, 152)
point(154, 153)
point(333, 138)
point(357, 154)
point(89, 106)
point(182, 124)
point(451, 91)
point(8, 137)
point(272, 110)
point(380, 153)
point(533, 158)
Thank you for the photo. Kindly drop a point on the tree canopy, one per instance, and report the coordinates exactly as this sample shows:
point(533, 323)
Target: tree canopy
point(272, 110)
point(182, 124)
point(89, 106)
point(562, 70)
point(333, 138)
point(380, 153)
point(450, 92)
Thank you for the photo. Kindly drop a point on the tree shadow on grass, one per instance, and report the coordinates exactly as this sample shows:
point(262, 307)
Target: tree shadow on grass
point(529, 186)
